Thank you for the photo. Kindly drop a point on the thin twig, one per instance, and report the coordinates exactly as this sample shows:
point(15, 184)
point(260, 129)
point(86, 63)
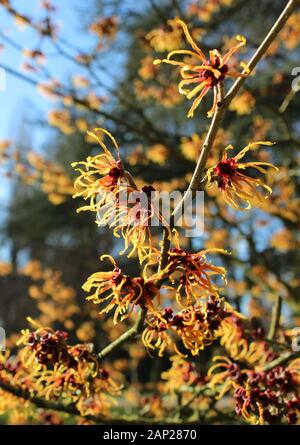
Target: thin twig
point(283, 359)
point(199, 391)
point(275, 320)
point(135, 330)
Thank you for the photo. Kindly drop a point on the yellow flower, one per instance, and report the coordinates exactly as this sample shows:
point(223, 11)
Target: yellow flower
point(236, 187)
point(105, 27)
point(100, 178)
point(243, 104)
point(158, 154)
point(283, 240)
point(191, 147)
point(113, 194)
point(194, 272)
point(120, 292)
point(62, 120)
point(206, 75)
point(147, 70)
point(162, 39)
point(54, 370)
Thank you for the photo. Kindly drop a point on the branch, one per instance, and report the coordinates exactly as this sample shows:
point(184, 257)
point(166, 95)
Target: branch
point(276, 312)
point(72, 410)
point(41, 402)
point(282, 360)
point(135, 330)
point(198, 392)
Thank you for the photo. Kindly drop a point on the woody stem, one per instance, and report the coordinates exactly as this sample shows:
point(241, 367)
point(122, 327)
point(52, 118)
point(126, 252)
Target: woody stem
point(275, 321)
point(135, 330)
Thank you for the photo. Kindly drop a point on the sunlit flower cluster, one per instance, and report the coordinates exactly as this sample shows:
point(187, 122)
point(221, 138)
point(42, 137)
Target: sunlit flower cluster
point(48, 367)
point(193, 274)
point(120, 292)
point(261, 397)
point(103, 182)
point(196, 326)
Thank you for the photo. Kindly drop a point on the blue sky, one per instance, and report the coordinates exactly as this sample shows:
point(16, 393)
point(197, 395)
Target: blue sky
point(18, 93)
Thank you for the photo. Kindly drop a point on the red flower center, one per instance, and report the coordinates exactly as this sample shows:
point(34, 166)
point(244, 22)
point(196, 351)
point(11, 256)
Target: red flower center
point(204, 74)
point(226, 169)
point(117, 171)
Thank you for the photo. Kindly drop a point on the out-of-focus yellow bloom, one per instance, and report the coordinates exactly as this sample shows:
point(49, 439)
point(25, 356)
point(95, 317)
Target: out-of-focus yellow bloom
point(205, 10)
point(80, 81)
point(261, 127)
point(289, 36)
point(165, 39)
point(62, 120)
point(37, 55)
point(106, 27)
point(54, 181)
point(4, 146)
point(5, 268)
point(191, 147)
point(182, 372)
point(33, 269)
point(55, 300)
point(283, 240)
point(158, 154)
point(137, 156)
point(168, 95)
point(147, 70)
point(219, 237)
point(206, 75)
point(243, 103)
point(49, 89)
point(82, 125)
point(86, 332)
point(94, 101)
point(236, 187)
